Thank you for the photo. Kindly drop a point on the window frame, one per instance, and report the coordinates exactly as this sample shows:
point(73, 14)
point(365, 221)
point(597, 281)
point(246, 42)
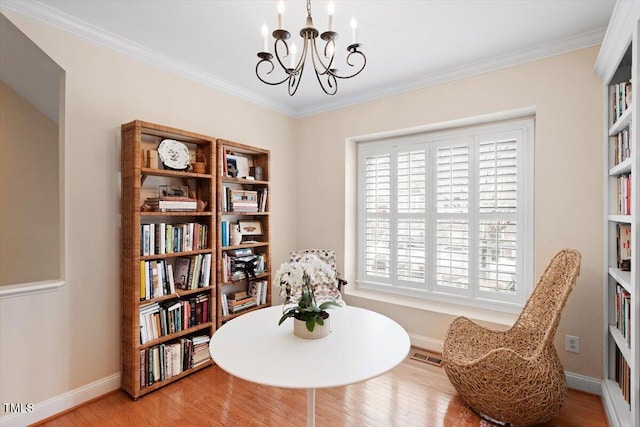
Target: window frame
point(433, 136)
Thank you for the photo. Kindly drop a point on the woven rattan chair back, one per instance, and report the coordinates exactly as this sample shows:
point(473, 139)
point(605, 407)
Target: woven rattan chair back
point(540, 316)
point(515, 375)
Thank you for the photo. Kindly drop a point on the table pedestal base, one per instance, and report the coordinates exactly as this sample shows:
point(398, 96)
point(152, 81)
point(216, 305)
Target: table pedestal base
point(311, 407)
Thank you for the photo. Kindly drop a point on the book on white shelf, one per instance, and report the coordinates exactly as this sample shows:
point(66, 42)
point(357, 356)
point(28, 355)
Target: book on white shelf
point(624, 246)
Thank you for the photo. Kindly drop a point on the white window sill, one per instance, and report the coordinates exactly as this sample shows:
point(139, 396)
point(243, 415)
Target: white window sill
point(496, 317)
point(23, 289)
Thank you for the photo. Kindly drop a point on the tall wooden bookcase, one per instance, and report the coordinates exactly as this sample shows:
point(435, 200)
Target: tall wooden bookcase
point(618, 65)
point(243, 198)
point(188, 311)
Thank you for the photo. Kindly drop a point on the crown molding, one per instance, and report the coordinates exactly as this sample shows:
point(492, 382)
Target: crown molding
point(616, 40)
point(557, 47)
point(40, 11)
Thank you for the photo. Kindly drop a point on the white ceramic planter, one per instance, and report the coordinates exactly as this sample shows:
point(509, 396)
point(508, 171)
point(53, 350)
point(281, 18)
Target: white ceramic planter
point(320, 331)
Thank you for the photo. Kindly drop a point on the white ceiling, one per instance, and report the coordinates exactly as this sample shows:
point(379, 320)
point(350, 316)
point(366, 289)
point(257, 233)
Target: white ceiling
point(409, 44)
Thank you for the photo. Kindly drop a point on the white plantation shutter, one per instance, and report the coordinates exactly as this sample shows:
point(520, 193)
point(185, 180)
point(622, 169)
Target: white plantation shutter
point(452, 219)
point(411, 221)
point(497, 181)
point(378, 208)
point(447, 215)
point(498, 227)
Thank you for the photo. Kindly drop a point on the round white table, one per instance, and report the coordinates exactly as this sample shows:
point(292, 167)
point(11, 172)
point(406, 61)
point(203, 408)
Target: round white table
point(362, 345)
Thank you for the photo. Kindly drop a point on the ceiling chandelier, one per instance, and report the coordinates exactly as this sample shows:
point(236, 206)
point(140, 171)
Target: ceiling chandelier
point(323, 65)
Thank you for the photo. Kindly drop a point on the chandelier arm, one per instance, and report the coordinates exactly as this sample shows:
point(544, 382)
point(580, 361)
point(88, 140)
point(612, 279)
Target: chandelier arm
point(364, 63)
point(316, 56)
point(294, 81)
point(275, 83)
point(277, 53)
point(303, 57)
point(331, 82)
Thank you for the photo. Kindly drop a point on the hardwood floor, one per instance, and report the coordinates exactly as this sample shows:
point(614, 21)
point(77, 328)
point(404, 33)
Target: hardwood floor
point(413, 394)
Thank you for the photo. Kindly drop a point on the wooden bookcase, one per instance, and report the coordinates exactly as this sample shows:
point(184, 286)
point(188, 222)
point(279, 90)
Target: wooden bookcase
point(141, 180)
point(618, 64)
point(235, 162)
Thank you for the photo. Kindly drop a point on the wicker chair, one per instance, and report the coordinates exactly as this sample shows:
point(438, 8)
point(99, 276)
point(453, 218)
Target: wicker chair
point(515, 376)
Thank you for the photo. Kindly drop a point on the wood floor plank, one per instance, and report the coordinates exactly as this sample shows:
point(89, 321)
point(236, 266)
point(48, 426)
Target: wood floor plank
point(413, 394)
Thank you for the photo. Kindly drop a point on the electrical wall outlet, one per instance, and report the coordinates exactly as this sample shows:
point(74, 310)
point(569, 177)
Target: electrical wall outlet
point(572, 344)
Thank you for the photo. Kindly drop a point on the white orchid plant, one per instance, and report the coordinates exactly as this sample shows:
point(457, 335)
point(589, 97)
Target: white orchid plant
point(295, 280)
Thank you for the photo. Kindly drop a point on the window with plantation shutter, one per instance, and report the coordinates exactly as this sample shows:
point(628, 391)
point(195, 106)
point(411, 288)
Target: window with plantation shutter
point(447, 215)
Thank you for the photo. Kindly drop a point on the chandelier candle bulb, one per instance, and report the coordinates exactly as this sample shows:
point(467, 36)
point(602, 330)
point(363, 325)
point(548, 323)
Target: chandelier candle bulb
point(265, 34)
point(331, 8)
point(294, 50)
point(280, 14)
point(354, 30)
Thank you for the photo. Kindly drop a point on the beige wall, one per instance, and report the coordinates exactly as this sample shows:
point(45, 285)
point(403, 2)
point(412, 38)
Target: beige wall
point(29, 197)
point(567, 97)
point(71, 337)
point(56, 342)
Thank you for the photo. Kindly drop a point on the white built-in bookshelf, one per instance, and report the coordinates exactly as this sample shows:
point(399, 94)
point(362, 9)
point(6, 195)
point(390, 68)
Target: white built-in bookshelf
point(618, 64)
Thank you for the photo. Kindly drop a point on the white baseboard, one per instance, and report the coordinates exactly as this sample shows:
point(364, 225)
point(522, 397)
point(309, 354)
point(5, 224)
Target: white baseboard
point(574, 381)
point(426, 343)
point(583, 383)
point(61, 403)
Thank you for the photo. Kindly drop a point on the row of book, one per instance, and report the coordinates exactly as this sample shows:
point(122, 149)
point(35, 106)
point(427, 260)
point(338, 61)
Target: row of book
point(622, 146)
point(623, 313)
point(163, 277)
point(232, 270)
point(161, 319)
point(623, 243)
point(244, 200)
point(162, 238)
point(621, 98)
point(623, 194)
point(163, 361)
point(623, 376)
point(256, 295)
point(225, 232)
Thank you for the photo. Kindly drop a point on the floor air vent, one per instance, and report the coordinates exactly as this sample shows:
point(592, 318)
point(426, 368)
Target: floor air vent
point(427, 357)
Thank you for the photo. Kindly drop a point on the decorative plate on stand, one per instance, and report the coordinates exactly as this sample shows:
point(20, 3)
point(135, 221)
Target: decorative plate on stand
point(174, 154)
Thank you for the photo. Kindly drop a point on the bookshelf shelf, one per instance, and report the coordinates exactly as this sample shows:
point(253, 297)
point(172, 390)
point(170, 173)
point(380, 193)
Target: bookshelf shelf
point(621, 343)
point(179, 294)
point(251, 197)
point(174, 254)
point(624, 219)
point(618, 65)
point(172, 174)
point(622, 277)
point(176, 213)
point(152, 304)
point(169, 337)
point(622, 122)
point(621, 168)
point(160, 384)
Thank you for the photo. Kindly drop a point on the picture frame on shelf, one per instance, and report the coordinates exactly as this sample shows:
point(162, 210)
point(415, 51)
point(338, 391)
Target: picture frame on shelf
point(239, 163)
point(250, 228)
point(173, 191)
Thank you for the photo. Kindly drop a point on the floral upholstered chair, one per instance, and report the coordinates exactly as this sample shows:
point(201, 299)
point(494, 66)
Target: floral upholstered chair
point(327, 282)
